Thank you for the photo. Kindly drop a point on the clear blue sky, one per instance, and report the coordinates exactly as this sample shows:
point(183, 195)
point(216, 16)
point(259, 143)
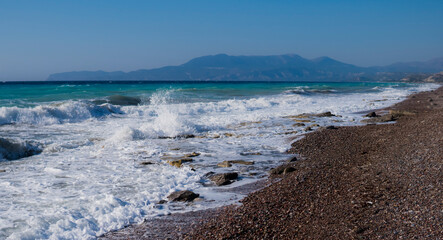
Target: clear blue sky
point(42, 37)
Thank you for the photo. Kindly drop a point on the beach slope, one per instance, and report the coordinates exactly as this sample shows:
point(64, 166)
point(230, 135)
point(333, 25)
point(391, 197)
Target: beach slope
point(366, 182)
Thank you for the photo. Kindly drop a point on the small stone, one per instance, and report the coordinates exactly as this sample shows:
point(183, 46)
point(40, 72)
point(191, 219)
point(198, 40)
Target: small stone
point(331, 127)
point(162, 202)
point(193, 154)
point(250, 153)
point(224, 164)
point(146, 163)
point(298, 125)
point(302, 120)
point(292, 159)
point(183, 196)
point(179, 162)
point(223, 178)
point(2, 170)
point(371, 115)
point(325, 114)
point(281, 170)
point(241, 162)
point(314, 125)
point(307, 129)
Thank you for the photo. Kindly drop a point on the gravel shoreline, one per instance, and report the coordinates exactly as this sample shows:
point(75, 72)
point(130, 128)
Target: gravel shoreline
point(366, 182)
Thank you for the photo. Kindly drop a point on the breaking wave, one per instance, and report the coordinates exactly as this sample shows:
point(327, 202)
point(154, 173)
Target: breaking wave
point(66, 112)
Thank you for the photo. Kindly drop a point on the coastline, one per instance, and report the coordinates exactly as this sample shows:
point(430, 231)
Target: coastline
point(349, 183)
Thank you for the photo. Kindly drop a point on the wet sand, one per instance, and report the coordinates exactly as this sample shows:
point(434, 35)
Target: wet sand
point(366, 182)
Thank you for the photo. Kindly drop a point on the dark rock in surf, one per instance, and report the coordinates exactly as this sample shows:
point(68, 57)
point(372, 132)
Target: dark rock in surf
point(123, 100)
point(223, 178)
point(11, 150)
point(324, 114)
point(372, 115)
point(183, 196)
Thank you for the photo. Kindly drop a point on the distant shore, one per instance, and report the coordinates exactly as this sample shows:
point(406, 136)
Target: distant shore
point(365, 182)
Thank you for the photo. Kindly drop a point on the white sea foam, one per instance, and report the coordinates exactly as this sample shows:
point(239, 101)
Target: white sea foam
point(88, 180)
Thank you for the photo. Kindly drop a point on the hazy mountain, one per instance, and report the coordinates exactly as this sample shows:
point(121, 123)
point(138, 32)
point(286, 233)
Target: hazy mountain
point(288, 67)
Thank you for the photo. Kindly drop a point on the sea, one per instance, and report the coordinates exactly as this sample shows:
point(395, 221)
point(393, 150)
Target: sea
point(79, 159)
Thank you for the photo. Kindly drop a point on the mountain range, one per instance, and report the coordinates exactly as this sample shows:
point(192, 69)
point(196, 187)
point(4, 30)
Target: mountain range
point(289, 67)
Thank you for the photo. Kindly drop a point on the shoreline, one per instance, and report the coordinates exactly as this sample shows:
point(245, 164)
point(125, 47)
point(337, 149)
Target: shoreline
point(256, 217)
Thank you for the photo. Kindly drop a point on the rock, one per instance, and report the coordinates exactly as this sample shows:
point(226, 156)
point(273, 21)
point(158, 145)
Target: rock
point(183, 196)
point(250, 153)
point(229, 135)
point(241, 162)
point(146, 163)
point(284, 169)
point(298, 125)
point(325, 114)
point(123, 100)
point(331, 127)
point(179, 162)
point(208, 174)
point(371, 115)
point(162, 202)
point(307, 129)
point(292, 159)
point(224, 164)
point(302, 120)
point(397, 114)
point(223, 178)
point(314, 125)
point(2, 170)
point(193, 154)
point(384, 118)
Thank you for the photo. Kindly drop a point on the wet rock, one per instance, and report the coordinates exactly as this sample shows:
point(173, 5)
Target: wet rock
point(292, 159)
point(372, 115)
point(229, 135)
point(146, 163)
point(223, 178)
point(162, 202)
point(307, 129)
point(324, 114)
point(315, 125)
point(250, 153)
point(302, 120)
point(2, 170)
point(331, 127)
point(123, 100)
point(284, 169)
point(179, 162)
point(224, 164)
point(208, 174)
point(11, 150)
point(183, 196)
point(193, 154)
point(298, 125)
point(241, 162)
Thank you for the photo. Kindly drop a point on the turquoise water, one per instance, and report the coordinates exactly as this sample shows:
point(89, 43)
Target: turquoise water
point(33, 93)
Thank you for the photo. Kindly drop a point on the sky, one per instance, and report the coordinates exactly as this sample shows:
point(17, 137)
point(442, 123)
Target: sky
point(38, 38)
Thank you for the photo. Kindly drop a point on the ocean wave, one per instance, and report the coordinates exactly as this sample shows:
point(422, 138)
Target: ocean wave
point(66, 112)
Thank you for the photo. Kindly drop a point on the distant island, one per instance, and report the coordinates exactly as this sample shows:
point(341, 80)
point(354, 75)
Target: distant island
point(289, 67)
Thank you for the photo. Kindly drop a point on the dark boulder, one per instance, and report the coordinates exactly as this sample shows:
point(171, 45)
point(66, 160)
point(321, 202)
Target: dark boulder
point(223, 178)
point(182, 196)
